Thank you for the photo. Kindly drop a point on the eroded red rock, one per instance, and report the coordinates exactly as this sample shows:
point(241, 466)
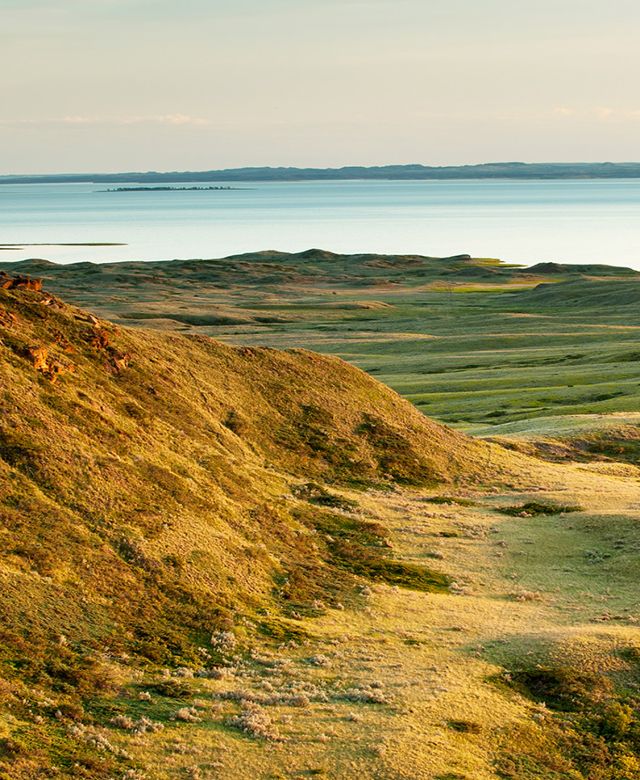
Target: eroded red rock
point(20, 282)
point(46, 365)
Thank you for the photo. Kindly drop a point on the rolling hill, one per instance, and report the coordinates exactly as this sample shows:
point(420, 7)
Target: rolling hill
point(472, 342)
point(222, 561)
point(159, 490)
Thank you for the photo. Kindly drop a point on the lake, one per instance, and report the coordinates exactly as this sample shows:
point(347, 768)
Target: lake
point(582, 221)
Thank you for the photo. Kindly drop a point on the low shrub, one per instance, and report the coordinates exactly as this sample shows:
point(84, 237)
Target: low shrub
point(361, 548)
point(534, 508)
point(590, 731)
point(320, 496)
point(465, 726)
point(450, 500)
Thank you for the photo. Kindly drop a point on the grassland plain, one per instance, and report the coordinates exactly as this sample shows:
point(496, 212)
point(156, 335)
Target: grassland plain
point(225, 561)
point(472, 342)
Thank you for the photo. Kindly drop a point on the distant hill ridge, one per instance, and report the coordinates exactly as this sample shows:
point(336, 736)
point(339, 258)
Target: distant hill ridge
point(219, 293)
point(273, 268)
point(499, 170)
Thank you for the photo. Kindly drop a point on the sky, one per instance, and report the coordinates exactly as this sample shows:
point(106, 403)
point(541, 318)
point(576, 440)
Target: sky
point(121, 85)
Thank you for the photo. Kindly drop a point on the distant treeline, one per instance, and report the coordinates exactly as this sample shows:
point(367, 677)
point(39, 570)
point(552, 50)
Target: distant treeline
point(508, 170)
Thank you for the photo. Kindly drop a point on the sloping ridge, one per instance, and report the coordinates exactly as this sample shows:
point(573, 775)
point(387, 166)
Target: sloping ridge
point(583, 269)
point(583, 293)
point(153, 487)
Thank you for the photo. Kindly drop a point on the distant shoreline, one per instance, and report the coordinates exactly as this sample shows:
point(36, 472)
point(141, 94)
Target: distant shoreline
point(22, 245)
point(508, 170)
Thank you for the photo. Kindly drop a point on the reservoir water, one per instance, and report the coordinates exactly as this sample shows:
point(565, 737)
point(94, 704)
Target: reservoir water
point(586, 221)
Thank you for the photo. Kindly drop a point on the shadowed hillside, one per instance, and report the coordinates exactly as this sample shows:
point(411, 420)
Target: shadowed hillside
point(586, 295)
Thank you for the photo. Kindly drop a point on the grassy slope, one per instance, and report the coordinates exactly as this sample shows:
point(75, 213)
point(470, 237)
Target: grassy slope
point(146, 492)
point(471, 342)
point(402, 683)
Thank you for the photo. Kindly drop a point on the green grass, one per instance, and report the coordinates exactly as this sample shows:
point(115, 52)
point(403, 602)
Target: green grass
point(583, 564)
point(592, 731)
point(535, 508)
point(566, 347)
point(456, 500)
point(361, 548)
point(210, 488)
point(145, 510)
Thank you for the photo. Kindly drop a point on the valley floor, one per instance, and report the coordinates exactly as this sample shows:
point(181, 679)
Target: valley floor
point(409, 686)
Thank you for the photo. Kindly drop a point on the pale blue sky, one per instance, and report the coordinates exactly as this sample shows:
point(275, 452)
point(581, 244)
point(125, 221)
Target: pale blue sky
point(194, 84)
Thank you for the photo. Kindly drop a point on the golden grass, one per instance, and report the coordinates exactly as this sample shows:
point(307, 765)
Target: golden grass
point(157, 523)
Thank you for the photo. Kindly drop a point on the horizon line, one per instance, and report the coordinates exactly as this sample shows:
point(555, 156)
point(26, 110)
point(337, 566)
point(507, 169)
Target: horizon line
point(397, 171)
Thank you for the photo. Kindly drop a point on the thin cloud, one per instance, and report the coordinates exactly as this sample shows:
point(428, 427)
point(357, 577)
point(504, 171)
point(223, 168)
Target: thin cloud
point(175, 120)
point(600, 113)
point(564, 111)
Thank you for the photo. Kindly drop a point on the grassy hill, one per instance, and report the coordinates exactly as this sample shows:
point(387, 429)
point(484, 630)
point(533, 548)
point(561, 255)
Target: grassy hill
point(472, 342)
point(588, 295)
point(222, 561)
point(159, 490)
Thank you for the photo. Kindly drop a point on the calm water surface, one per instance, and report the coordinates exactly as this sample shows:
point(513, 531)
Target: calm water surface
point(525, 221)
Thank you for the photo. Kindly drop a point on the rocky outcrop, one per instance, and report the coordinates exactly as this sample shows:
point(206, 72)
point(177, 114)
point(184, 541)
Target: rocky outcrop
point(19, 282)
point(47, 365)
